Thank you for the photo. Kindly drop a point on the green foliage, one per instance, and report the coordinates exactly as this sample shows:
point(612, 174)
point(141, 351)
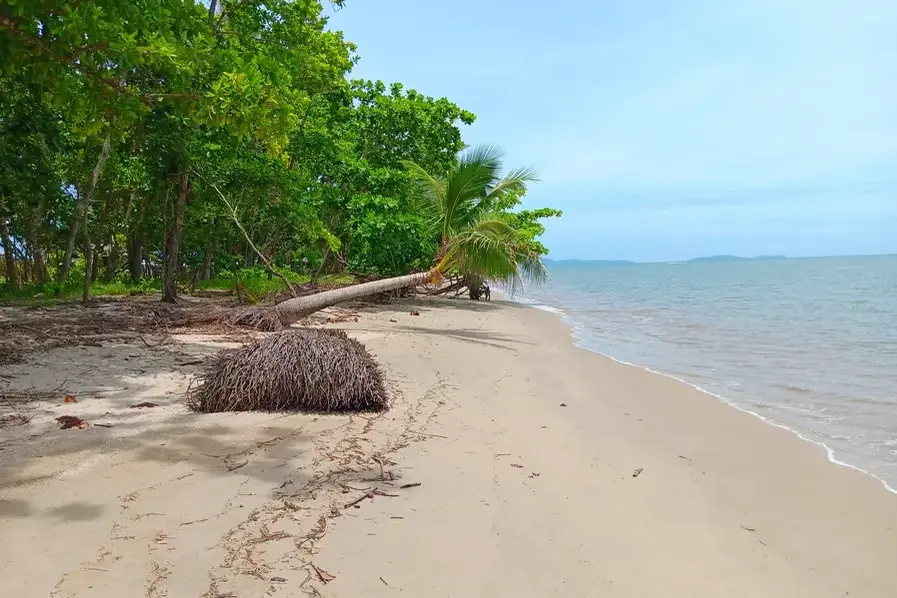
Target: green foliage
point(244, 115)
point(470, 209)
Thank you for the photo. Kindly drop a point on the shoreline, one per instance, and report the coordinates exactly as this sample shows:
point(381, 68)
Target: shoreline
point(577, 342)
point(511, 463)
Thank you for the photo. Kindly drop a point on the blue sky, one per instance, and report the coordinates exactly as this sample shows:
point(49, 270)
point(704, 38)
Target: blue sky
point(668, 129)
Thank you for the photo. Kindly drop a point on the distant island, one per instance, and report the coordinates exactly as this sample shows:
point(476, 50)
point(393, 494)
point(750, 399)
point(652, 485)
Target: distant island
point(697, 260)
point(735, 258)
point(576, 262)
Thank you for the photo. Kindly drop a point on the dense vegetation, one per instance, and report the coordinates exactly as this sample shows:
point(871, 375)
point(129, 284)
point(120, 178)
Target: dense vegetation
point(172, 144)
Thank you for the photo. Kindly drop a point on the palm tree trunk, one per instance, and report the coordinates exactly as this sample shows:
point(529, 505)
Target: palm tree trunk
point(293, 310)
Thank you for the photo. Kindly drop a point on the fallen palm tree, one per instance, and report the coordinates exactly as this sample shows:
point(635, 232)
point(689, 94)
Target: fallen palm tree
point(311, 369)
point(479, 238)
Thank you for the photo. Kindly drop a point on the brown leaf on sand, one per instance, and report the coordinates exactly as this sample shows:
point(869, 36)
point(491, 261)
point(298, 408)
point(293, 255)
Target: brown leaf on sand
point(517, 465)
point(69, 399)
point(70, 421)
point(145, 404)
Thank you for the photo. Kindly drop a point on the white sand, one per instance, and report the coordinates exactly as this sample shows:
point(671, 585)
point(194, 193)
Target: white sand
point(168, 503)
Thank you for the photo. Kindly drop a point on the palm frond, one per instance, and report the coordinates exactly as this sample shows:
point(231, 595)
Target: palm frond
point(530, 272)
point(514, 180)
point(432, 190)
point(469, 182)
point(486, 249)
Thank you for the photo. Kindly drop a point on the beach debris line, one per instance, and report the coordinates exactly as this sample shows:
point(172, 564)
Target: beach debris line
point(637, 472)
point(144, 405)
point(310, 369)
point(16, 419)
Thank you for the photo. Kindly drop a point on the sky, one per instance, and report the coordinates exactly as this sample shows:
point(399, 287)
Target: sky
point(668, 130)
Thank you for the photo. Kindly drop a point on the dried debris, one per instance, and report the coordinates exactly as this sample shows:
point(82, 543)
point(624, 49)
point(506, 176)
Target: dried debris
point(16, 419)
point(70, 421)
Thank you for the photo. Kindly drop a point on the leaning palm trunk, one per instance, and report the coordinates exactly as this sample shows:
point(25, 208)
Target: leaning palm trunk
point(293, 310)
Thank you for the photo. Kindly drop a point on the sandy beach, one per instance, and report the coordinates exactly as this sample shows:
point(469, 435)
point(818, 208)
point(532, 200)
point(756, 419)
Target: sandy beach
point(511, 464)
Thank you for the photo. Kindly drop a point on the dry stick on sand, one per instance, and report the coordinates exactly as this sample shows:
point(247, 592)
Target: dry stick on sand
point(429, 434)
point(359, 499)
point(324, 576)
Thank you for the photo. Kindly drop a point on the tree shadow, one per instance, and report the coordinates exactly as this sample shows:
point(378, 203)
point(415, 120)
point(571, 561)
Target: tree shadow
point(107, 382)
point(71, 511)
point(468, 335)
point(425, 303)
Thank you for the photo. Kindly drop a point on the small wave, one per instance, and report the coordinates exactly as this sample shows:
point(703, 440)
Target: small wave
point(550, 309)
point(793, 388)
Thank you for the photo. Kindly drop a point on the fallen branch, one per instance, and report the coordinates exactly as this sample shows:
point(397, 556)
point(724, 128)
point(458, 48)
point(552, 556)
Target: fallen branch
point(322, 575)
point(233, 214)
point(237, 465)
point(411, 485)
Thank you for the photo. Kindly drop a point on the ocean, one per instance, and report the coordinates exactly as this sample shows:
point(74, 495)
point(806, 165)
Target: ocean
point(807, 344)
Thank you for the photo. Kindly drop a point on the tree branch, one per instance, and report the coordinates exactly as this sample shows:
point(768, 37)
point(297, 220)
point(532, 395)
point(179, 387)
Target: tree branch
point(233, 215)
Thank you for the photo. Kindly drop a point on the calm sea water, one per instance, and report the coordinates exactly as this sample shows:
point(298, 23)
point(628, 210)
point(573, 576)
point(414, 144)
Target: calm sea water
point(809, 344)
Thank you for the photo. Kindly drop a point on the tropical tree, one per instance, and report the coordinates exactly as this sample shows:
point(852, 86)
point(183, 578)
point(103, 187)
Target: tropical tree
point(467, 211)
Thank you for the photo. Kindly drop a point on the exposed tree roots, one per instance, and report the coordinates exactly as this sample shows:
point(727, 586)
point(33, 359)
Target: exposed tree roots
point(311, 369)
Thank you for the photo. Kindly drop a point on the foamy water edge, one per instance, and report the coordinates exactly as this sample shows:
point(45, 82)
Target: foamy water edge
point(578, 343)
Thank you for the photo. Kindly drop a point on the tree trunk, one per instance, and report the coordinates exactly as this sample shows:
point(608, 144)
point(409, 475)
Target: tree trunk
point(135, 244)
point(293, 310)
point(88, 264)
point(12, 274)
point(202, 272)
point(81, 210)
point(135, 257)
point(173, 243)
point(39, 271)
